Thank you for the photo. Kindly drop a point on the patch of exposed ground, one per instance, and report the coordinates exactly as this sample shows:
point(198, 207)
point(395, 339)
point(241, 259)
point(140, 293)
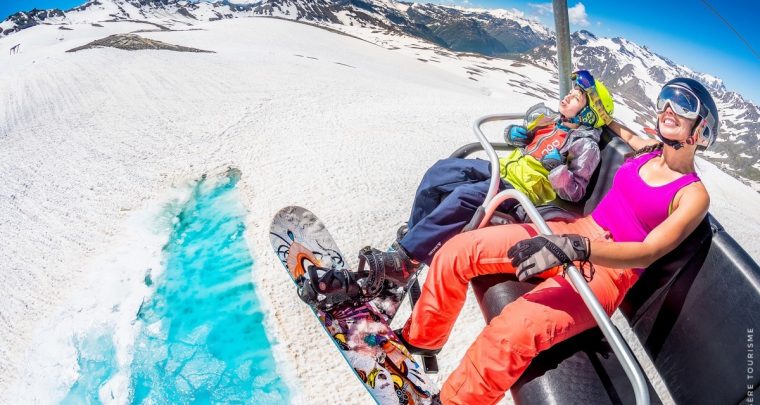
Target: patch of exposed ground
point(132, 42)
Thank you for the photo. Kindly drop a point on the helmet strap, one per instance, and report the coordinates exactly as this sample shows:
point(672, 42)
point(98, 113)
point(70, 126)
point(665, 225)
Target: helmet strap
point(673, 144)
point(692, 139)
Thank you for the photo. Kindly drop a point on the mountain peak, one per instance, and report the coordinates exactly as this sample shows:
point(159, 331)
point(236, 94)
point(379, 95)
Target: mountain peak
point(586, 34)
point(582, 37)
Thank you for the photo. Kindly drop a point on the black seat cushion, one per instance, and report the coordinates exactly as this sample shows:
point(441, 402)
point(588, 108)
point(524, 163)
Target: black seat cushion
point(695, 318)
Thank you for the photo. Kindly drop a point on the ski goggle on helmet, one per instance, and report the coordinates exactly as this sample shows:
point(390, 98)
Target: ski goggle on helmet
point(600, 106)
point(689, 99)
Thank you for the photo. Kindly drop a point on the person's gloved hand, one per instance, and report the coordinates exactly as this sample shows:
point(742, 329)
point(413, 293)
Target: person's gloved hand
point(517, 135)
point(533, 256)
point(552, 159)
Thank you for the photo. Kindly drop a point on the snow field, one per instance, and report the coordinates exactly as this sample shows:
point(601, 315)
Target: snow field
point(339, 125)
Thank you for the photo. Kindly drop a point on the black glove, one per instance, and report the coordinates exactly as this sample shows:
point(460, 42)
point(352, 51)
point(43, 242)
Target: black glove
point(533, 256)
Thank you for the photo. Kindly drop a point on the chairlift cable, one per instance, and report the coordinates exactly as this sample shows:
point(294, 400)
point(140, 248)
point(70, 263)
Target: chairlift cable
point(757, 55)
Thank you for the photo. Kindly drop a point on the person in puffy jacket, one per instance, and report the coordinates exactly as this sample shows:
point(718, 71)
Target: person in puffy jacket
point(555, 156)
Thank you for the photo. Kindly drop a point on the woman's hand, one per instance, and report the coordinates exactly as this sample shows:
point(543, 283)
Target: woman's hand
point(534, 256)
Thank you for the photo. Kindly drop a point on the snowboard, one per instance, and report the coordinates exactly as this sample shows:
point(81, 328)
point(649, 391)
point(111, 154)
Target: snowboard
point(360, 330)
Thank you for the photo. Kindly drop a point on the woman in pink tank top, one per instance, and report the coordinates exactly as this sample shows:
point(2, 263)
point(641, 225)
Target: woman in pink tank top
point(655, 202)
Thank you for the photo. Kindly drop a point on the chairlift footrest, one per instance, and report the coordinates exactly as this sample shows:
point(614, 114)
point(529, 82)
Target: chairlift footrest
point(430, 363)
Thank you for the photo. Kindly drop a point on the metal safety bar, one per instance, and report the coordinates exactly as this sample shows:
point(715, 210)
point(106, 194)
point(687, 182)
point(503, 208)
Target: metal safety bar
point(493, 186)
point(492, 202)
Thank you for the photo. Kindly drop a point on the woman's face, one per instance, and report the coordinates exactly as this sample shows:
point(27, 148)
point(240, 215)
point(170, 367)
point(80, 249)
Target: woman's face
point(572, 103)
point(673, 126)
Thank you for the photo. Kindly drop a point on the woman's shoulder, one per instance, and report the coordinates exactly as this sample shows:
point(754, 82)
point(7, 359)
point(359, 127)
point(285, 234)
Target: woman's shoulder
point(697, 188)
point(693, 195)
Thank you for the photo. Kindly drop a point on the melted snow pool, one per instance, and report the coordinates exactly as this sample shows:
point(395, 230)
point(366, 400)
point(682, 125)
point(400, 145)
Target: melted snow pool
point(203, 337)
point(180, 324)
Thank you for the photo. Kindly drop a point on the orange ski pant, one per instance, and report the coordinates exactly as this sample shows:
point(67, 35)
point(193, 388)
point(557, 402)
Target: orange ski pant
point(549, 314)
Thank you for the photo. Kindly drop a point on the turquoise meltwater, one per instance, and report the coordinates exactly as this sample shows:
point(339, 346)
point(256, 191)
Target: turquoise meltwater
point(201, 336)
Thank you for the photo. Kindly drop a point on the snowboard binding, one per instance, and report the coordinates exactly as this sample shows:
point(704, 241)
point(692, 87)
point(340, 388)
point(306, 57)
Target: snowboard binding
point(394, 266)
point(330, 288)
point(378, 270)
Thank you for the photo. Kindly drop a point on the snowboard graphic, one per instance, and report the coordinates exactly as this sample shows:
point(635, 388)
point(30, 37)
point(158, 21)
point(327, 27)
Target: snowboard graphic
point(360, 330)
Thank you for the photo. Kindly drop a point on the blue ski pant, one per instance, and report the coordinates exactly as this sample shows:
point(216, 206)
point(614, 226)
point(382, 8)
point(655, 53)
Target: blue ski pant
point(448, 196)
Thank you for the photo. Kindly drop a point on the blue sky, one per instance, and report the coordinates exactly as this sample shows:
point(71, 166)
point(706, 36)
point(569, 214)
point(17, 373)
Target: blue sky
point(686, 31)
point(8, 7)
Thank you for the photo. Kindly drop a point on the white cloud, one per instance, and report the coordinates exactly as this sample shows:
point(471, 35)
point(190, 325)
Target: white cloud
point(542, 8)
point(455, 3)
point(578, 16)
point(517, 12)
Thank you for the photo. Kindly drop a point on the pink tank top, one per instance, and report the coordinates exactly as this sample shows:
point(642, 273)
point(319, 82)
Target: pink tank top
point(632, 208)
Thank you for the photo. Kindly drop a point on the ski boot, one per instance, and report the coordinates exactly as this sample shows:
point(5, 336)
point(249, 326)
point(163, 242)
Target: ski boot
point(394, 266)
point(328, 287)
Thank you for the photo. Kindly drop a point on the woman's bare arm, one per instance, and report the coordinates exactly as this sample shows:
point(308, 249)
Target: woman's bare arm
point(692, 208)
point(630, 137)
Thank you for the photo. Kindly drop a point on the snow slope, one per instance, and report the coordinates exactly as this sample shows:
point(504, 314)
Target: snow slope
point(343, 126)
